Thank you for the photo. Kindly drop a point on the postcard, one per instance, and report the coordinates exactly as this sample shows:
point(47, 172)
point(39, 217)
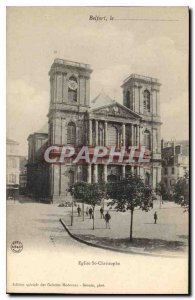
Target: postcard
point(97, 150)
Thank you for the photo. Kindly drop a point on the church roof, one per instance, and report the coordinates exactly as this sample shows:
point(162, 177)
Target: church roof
point(101, 100)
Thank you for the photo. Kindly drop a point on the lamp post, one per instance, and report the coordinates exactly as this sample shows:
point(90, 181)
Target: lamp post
point(72, 206)
point(83, 208)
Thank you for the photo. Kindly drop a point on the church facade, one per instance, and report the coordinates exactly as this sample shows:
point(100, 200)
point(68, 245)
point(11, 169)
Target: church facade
point(75, 120)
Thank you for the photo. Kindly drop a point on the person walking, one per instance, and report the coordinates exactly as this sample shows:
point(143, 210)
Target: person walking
point(87, 211)
point(155, 217)
point(90, 212)
point(107, 218)
point(102, 212)
point(79, 211)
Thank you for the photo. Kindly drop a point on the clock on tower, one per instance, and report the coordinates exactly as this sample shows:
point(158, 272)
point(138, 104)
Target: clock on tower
point(70, 83)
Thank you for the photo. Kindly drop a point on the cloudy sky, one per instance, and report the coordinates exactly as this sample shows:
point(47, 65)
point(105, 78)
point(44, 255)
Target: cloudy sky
point(147, 41)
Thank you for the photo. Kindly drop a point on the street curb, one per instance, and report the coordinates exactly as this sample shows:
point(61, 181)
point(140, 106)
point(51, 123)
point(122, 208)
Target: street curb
point(114, 249)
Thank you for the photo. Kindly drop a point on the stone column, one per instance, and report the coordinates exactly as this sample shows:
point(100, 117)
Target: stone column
point(78, 173)
point(141, 172)
point(135, 135)
point(138, 170)
point(103, 137)
point(159, 139)
point(123, 134)
point(158, 174)
point(96, 132)
point(95, 173)
point(132, 135)
point(139, 135)
point(157, 103)
point(89, 173)
point(154, 177)
point(55, 89)
point(118, 140)
point(135, 170)
point(105, 133)
point(139, 89)
point(90, 132)
point(131, 169)
point(123, 171)
point(105, 173)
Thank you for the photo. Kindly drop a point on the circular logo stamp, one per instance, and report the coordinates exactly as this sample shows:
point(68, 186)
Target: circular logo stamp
point(16, 246)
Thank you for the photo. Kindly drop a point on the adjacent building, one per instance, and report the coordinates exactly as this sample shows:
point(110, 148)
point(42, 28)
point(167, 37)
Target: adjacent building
point(175, 161)
point(76, 120)
point(23, 175)
point(12, 168)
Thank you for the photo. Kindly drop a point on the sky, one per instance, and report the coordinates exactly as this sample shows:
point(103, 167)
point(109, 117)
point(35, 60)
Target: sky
point(150, 41)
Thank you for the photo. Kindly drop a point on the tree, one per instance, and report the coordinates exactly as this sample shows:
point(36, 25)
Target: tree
point(128, 194)
point(181, 191)
point(163, 192)
point(89, 193)
point(160, 191)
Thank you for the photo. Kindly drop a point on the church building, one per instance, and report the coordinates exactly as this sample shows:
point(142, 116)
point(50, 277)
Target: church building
point(74, 119)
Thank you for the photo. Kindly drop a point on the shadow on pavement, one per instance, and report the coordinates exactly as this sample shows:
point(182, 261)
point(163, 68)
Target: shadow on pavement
point(151, 245)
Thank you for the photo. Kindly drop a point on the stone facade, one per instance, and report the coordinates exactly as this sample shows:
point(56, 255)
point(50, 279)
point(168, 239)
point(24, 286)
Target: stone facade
point(12, 168)
point(175, 162)
point(74, 120)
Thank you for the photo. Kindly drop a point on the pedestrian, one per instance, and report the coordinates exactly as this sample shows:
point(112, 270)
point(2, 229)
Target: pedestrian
point(107, 218)
point(90, 212)
point(155, 217)
point(181, 198)
point(79, 211)
point(87, 211)
point(102, 212)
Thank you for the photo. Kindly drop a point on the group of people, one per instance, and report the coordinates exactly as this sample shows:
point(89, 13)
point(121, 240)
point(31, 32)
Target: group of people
point(89, 212)
point(106, 217)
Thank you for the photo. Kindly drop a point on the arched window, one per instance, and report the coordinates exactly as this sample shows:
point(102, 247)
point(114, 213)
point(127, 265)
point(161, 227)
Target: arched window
point(128, 136)
point(129, 100)
point(71, 177)
point(100, 135)
point(147, 140)
point(71, 134)
point(72, 89)
point(147, 178)
point(146, 100)
point(112, 136)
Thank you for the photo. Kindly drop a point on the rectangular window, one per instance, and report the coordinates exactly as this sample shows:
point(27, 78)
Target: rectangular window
point(165, 171)
point(12, 178)
point(39, 143)
point(172, 182)
point(100, 137)
point(173, 171)
point(12, 163)
point(71, 137)
point(112, 136)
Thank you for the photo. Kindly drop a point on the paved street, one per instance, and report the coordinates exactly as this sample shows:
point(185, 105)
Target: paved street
point(38, 224)
point(50, 255)
point(172, 223)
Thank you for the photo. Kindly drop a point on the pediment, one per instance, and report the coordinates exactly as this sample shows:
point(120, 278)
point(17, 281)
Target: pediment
point(116, 110)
